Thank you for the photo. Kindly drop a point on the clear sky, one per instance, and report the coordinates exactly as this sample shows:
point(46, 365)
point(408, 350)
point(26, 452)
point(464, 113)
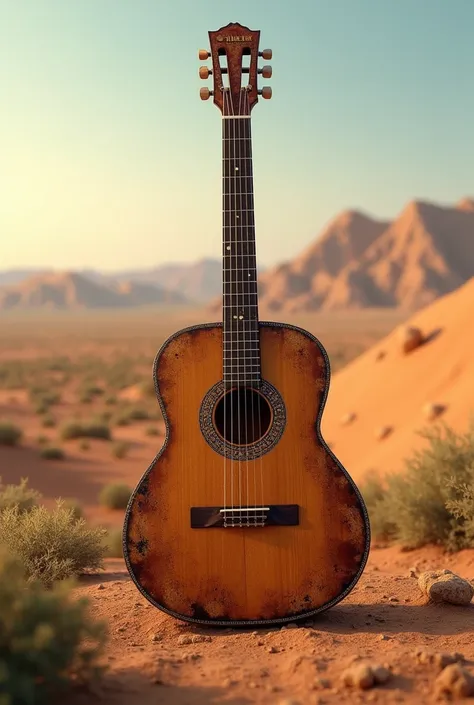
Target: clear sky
point(109, 159)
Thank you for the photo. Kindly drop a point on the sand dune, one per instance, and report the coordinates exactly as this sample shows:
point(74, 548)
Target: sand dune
point(393, 390)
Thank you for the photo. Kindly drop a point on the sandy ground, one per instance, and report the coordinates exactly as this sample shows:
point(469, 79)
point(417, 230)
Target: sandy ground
point(384, 620)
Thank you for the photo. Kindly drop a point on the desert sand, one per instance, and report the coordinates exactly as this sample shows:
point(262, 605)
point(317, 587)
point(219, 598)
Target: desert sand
point(155, 659)
point(385, 388)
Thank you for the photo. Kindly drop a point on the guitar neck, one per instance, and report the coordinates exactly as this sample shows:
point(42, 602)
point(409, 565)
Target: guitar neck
point(240, 299)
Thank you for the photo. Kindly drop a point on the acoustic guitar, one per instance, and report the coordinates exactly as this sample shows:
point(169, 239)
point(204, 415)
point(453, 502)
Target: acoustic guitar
point(244, 517)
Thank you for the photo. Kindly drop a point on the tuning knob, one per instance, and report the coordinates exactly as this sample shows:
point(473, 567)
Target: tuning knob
point(266, 71)
point(205, 93)
point(203, 54)
point(266, 92)
point(266, 54)
point(204, 72)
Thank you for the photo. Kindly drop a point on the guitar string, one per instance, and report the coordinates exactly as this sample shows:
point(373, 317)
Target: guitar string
point(228, 326)
point(239, 277)
point(258, 461)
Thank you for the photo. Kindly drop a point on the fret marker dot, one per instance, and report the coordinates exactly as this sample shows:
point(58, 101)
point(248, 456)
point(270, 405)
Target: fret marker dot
point(228, 248)
point(235, 317)
point(236, 168)
point(241, 317)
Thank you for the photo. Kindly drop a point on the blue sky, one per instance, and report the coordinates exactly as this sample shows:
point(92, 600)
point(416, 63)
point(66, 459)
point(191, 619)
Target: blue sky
point(109, 159)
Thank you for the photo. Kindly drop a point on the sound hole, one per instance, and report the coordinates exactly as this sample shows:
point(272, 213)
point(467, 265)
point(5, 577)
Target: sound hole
point(242, 416)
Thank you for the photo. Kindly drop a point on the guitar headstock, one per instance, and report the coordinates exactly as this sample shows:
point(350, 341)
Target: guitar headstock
point(234, 53)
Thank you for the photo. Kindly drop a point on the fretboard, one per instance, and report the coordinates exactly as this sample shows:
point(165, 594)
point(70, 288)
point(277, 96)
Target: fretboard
point(241, 356)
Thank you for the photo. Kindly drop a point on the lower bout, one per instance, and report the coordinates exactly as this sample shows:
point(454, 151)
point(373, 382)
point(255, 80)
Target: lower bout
point(239, 576)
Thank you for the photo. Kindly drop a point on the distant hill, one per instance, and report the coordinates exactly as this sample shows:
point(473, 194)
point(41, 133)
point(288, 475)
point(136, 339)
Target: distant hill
point(69, 290)
point(357, 262)
point(197, 281)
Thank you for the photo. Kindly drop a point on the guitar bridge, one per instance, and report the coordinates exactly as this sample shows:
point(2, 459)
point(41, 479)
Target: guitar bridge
point(245, 517)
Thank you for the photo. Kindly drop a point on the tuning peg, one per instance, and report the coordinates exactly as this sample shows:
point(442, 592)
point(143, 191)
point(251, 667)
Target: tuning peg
point(204, 72)
point(205, 93)
point(203, 54)
point(265, 92)
point(266, 71)
point(266, 54)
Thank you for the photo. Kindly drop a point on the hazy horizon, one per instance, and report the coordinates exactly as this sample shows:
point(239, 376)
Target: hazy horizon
point(111, 161)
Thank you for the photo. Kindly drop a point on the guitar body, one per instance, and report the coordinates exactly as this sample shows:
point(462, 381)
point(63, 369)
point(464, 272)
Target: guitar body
point(312, 542)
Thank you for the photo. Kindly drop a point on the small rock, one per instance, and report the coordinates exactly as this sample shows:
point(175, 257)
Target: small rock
point(288, 701)
point(380, 355)
point(393, 599)
point(348, 418)
point(455, 680)
point(199, 638)
point(272, 650)
point(321, 683)
point(381, 674)
point(384, 637)
point(156, 638)
point(382, 432)
point(185, 639)
point(432, 411)
point(410, 338)
point(413, 573)
point(260, 642)
point(442, 659)
point(121, 629)
point(358, 676)
point(100, 587)
point(446, 586)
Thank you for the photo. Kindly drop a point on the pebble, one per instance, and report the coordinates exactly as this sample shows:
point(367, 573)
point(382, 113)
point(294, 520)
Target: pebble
point(100, 587)
point(446, 586)
point(454, 680)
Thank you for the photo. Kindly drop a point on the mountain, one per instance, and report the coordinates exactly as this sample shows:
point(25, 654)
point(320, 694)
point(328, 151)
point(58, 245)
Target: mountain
point(384, 387)
point(69, 290)
point(197, 281)
point(15, 276)
point(303, 283)
point(357, 262)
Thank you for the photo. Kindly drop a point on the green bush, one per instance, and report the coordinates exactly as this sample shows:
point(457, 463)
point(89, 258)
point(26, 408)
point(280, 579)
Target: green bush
point(120, 449)
point(113, 542)
point(52, 545)
point(48, 641)
point(431, 502)
point(81, 430)
point(52, 453)
point(10, 435)
point(115, 496)
point(20, 495)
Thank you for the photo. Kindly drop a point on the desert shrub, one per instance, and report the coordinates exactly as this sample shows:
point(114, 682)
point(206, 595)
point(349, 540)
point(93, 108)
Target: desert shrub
point(20, 495)
point(115, 496)
point(133, 413)
point(10, 435)
point(44, 397)
point(84, 445)
point(81, 430)
point(74, 506)
point(42, 440)
point(48, 641)
point(152, 431)
point(429, 502)
point(52, 453)
point(92, 390)
point(120, 449)
point(52, 545)
point(147, 388)
point(48, 422)
point(111, 400)
point(113, 543)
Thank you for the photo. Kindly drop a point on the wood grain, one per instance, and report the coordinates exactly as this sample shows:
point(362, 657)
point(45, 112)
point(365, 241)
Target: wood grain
point(242, 574)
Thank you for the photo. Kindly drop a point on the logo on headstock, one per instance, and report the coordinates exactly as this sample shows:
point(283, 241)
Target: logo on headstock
point(239, 38)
